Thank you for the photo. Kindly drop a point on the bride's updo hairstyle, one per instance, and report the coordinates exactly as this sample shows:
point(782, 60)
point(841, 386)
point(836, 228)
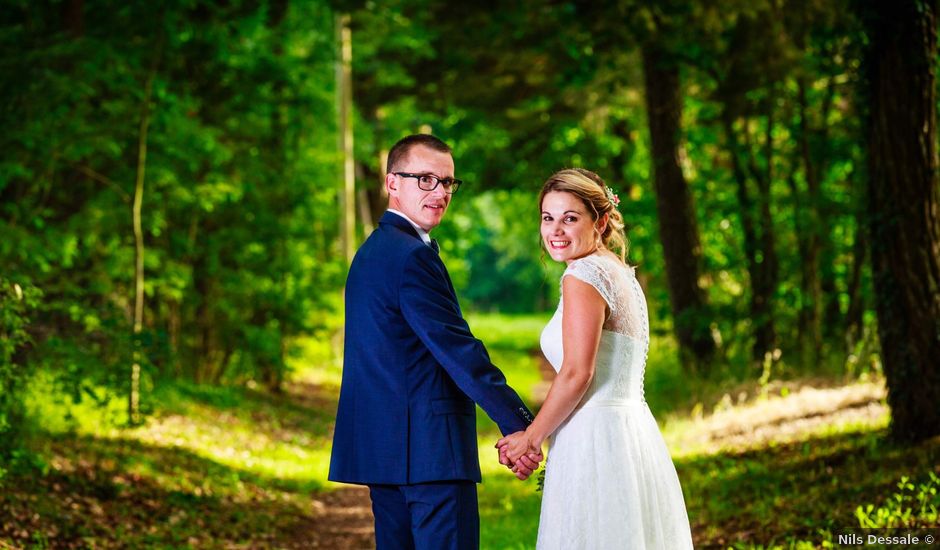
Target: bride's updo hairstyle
point(597, 198)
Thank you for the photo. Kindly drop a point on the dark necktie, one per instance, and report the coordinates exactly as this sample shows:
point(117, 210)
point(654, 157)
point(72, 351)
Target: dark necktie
point(435, 246)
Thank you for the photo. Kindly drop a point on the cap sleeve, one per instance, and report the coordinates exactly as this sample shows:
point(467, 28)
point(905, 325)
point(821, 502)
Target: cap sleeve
point(593, 272)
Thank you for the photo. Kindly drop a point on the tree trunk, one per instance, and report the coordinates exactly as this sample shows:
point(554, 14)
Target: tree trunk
point(375, 191)
point(677, 225)
point(802, 243)
point(811, 243)
point(133, 398)
point(758, 266)
point(344, 113)
point(73, 17)
point(904, 209)
point(620, 161)
point(271, 369)
point(207, 356)
point(853, 315)
point(173, 331)
point(768, 265)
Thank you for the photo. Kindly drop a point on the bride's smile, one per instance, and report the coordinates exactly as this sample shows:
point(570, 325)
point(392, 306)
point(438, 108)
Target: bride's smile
point(568, 230)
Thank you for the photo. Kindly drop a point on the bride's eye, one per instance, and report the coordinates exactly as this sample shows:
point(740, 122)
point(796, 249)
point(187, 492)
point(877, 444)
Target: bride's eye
point(546, 218)
point(571, 219)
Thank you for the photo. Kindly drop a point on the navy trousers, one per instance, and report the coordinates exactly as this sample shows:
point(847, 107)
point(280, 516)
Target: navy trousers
point(426, 516)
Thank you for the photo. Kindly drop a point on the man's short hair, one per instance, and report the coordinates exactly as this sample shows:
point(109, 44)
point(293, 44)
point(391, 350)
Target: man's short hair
point(401, 149)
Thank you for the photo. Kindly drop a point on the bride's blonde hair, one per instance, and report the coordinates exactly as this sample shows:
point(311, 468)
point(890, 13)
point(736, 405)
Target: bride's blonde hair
point(599, 200)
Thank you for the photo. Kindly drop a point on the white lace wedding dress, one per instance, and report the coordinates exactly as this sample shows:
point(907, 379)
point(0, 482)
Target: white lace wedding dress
point(609, 479)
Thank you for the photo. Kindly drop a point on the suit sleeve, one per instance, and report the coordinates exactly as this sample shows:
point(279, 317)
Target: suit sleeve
point(429, 306)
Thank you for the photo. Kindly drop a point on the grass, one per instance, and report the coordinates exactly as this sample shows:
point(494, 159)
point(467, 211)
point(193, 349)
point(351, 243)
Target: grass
point(509, 508)
point(775, 465)
point(212, 467)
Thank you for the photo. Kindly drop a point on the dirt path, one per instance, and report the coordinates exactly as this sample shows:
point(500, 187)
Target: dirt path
point(343, 518)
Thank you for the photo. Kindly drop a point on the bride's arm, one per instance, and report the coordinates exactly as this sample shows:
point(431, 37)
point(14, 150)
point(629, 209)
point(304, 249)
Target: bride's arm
point(582, 322)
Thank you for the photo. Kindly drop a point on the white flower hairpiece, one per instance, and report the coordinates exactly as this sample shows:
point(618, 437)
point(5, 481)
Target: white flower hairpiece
point(612, 197)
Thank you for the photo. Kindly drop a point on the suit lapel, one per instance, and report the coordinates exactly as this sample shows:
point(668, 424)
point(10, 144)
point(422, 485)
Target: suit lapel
point(402, 224)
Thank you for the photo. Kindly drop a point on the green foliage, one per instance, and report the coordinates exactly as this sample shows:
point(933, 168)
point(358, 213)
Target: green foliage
point(913, 505)
point(237, 221)
point(240, 190)
point(492, 247)
point(17, 305)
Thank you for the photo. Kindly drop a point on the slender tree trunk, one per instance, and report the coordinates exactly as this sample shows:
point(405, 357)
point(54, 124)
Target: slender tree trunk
point(272, 367)
point(904, 208)
point(375, 191)
point(853, 315)
point(365, 212)
point(676, 212)
point(173, 330)
point(621, 160)
point(811, 295)
point(344, 110)
point(133, 400)
point(762, 283)
point(769, 264)
point(802, 243)
point(73, 17)
point(205, 362)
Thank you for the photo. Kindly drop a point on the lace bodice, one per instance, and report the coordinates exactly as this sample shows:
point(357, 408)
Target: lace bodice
point(621, 356)
point(617, 284)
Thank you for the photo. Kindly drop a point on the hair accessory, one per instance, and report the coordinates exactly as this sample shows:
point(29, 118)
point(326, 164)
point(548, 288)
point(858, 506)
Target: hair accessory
point(612, 197)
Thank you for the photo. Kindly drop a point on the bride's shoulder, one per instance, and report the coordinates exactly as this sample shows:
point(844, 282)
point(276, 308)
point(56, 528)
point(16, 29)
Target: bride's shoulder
point(599, 269)
point(605, 262)
point(585, 264)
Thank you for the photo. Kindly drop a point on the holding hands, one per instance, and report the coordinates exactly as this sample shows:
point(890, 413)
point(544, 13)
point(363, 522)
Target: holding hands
point(520, 452)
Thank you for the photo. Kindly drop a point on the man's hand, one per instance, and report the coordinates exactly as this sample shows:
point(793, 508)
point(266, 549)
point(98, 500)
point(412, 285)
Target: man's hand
point(518, 453)
point(524, 467)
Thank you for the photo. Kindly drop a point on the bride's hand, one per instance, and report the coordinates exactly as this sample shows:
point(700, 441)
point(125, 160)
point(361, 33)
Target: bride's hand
point(518, 444)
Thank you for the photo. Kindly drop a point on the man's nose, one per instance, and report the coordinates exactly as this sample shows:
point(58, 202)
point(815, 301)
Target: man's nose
point(438, 192)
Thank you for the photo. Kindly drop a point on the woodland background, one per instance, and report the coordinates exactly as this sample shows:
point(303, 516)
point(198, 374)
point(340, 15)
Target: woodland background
point(182, 185)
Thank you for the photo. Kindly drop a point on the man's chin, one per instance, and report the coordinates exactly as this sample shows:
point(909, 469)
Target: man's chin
point(430, 222)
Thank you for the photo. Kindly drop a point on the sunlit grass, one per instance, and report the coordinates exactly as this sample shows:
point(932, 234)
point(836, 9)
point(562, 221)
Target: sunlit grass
point(518, 332)
point(317, 360)
point(773, 419)
point(509, 508)
point(762, 466)
point(248, 433)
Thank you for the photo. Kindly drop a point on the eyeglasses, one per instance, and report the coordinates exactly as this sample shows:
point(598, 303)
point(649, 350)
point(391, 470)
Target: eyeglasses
point(429, 182)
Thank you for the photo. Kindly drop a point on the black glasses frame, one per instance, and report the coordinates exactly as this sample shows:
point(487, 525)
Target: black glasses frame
point(450, 184)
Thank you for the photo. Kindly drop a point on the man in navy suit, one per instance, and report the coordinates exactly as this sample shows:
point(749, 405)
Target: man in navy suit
point(406, 423)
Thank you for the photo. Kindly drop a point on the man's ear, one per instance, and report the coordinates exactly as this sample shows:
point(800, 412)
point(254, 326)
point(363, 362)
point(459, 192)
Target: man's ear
point(391, 184)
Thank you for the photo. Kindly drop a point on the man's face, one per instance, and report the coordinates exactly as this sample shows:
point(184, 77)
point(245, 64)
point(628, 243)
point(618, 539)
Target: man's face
point(425, 208)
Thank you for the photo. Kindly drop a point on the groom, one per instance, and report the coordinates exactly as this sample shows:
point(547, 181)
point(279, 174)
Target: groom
point(406, 424)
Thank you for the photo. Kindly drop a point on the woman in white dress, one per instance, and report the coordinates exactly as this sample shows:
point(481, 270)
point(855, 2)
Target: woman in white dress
point(609, 479)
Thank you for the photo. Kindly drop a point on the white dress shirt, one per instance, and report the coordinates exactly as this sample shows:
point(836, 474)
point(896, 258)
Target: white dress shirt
point(421, 232)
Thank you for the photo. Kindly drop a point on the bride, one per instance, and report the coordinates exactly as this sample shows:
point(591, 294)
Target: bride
point(609, 479)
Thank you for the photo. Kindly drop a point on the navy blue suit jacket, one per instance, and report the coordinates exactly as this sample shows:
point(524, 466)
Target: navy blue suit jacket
point(412, 370)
